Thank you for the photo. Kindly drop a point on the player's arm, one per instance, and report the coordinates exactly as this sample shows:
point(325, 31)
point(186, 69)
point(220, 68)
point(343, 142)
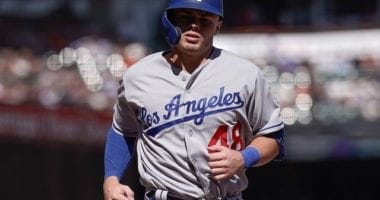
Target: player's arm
point(119, 147)
point(264, 149)
point(117, 157)
point(263, 112)
point(225, 162)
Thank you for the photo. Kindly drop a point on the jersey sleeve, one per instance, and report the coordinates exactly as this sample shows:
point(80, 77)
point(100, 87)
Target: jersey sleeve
point(263, 108)
point(117, 154)
point(125, 121)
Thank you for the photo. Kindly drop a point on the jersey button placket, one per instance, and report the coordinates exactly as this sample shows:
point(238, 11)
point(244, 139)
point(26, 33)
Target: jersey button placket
point(191, 133)
point(183, 78)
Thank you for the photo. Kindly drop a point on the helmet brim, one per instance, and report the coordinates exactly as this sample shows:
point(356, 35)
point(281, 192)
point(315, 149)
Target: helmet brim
point(196, 5)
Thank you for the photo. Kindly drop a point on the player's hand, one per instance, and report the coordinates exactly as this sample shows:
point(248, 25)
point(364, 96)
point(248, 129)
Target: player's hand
point(113, 190)
point(224, 162)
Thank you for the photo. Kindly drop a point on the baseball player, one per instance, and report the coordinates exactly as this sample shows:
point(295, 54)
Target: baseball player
point(197, 116)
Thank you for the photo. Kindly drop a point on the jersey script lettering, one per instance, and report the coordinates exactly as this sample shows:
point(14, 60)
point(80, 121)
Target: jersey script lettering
point(195, 110)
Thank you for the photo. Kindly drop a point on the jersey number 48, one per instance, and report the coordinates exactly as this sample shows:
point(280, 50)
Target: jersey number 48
point(228, 136)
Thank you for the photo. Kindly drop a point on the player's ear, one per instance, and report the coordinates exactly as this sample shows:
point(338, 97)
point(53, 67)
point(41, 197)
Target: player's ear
point(219, 26)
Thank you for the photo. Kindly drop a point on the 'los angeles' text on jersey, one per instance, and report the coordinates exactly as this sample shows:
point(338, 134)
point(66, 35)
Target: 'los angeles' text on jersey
point(195, 110)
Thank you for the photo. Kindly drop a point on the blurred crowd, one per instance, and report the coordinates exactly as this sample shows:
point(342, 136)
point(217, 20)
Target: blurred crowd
point(327, 91)
point(66, 58)
point(86, 73)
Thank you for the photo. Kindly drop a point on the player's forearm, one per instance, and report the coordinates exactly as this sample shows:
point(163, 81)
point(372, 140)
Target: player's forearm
point(114, 190)
point(110, 180)
point(267, 149)
point(117, 155)
point(264, 149)
point(108, 186)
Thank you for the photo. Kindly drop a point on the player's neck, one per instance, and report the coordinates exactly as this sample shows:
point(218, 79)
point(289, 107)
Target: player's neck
point(188, 62)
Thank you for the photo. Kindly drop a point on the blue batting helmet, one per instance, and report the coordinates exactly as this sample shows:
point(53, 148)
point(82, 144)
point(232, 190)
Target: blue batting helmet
point(173, 33)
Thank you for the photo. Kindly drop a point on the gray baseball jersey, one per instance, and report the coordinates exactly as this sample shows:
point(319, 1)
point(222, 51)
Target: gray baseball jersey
point(224, 102)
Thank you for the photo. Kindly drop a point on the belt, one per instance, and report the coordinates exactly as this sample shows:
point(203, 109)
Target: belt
point(165, 195)
point(160, 195)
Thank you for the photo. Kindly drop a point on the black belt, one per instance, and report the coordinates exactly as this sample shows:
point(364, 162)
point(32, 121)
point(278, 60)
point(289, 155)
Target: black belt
point(151, 196)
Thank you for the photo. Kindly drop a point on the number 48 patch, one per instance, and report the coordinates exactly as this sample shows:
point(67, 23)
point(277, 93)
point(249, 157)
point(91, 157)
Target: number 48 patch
point(221, 137)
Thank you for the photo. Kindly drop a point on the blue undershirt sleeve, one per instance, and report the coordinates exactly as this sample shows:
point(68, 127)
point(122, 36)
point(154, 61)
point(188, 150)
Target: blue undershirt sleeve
point(279, 136)
point(118, 154)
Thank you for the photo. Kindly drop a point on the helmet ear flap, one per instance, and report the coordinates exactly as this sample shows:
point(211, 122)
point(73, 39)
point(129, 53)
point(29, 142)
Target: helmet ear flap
point(171, 33)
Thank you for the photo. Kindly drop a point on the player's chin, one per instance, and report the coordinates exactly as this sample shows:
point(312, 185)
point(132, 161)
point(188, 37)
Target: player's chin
point(191, 49)
point(192, 46)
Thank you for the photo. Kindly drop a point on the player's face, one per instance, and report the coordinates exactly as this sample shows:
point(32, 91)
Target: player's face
point(198, 28)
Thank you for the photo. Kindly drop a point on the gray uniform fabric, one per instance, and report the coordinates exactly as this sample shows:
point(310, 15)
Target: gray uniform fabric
point(176, 115)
